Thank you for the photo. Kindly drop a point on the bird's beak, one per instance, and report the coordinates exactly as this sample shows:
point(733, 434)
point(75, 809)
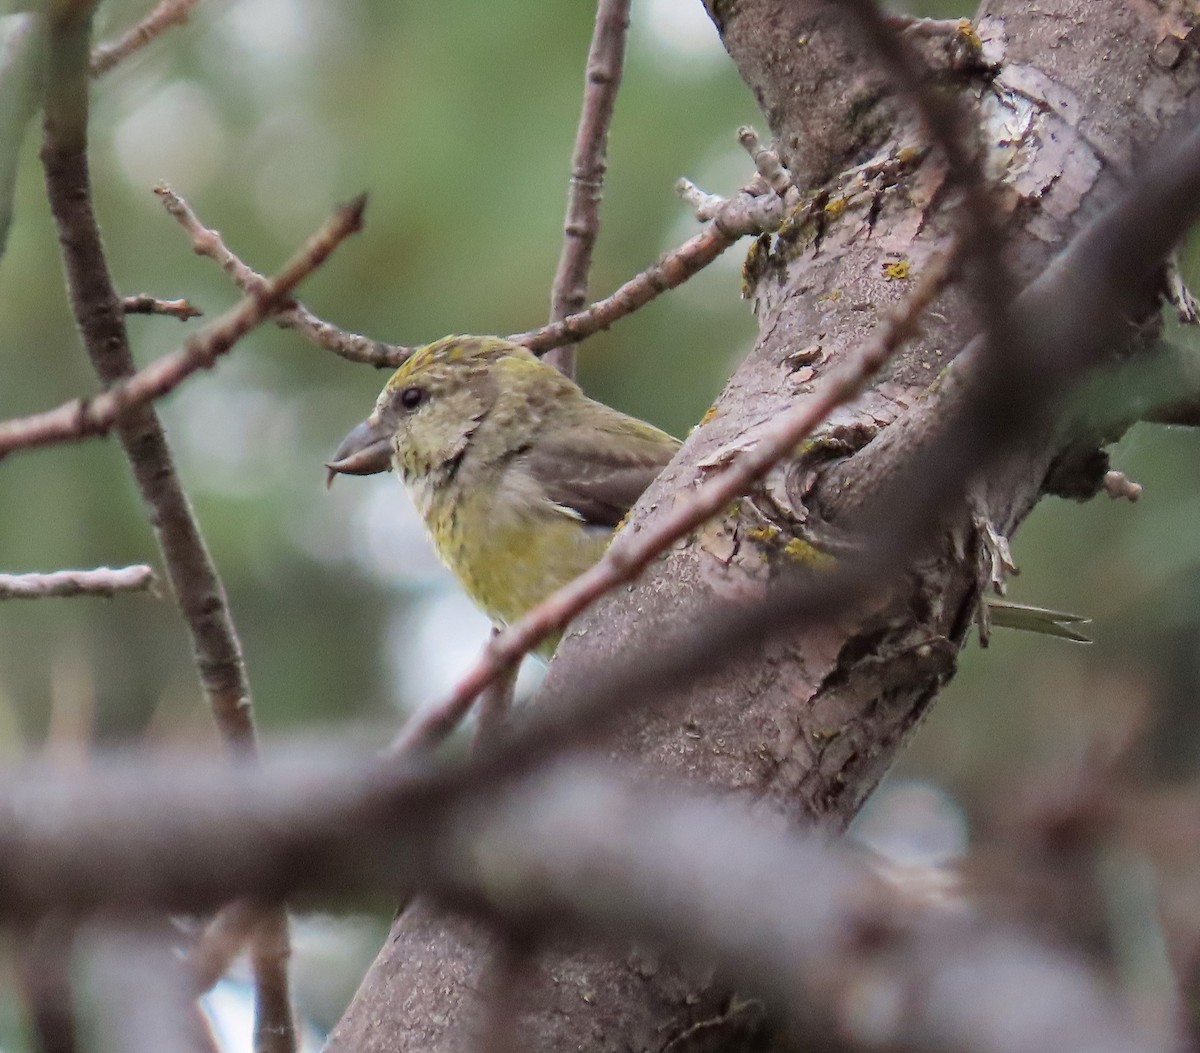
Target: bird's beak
point(367, 450)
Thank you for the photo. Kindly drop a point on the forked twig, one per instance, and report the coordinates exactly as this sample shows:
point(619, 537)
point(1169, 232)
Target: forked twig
point(81, 418)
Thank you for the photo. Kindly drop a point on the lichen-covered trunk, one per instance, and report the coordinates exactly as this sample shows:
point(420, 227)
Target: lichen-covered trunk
point(1066, 93)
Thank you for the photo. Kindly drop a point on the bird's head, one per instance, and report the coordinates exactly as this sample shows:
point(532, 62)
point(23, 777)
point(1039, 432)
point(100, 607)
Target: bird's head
point(427, 413)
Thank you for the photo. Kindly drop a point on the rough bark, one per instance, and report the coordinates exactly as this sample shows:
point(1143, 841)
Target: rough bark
point(809, 726)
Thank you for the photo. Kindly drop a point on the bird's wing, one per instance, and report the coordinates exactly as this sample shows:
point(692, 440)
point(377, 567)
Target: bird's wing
point(598, 473)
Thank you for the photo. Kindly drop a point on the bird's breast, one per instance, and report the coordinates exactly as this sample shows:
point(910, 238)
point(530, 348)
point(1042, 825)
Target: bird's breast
point(508, 545)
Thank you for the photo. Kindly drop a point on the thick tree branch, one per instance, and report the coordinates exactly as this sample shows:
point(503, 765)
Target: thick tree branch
point(809, 722)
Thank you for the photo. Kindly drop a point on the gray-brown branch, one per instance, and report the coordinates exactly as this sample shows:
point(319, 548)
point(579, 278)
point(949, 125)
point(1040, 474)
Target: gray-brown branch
point(100, 318)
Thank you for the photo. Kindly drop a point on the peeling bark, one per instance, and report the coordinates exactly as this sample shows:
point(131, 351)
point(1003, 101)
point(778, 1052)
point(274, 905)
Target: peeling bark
point(1075, 89)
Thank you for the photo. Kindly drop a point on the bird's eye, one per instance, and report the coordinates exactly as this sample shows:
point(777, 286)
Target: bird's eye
point(411, 398)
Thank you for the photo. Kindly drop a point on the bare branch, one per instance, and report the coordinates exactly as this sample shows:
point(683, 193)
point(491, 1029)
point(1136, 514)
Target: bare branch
point(606, 58)
point(101, 322)
point(630, 553)
point(743, 214)
point(103, 581)
point(568, 851)
point(222, 941)
point(292, 314)
point(274, 1027)
point(751, 211)
point(165, 14)
point(495, 703)
point(83, 418)
point(948, 123)
point(143, 303)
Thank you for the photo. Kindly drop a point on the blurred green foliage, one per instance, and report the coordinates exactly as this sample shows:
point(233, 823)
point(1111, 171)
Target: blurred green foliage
point(458, 119)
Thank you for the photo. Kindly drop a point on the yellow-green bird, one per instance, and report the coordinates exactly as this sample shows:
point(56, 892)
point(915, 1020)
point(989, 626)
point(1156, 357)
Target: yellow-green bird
point(519, 476)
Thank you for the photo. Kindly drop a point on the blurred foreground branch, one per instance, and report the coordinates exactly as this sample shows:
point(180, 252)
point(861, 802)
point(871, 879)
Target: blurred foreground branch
point(569, 850)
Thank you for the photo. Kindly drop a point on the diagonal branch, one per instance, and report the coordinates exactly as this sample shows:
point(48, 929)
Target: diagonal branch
point(82, 418)
point(750, 211)
point(165, 14)
point(103, 581)
point(747, 212)
point(606, 59)
point(292, 314)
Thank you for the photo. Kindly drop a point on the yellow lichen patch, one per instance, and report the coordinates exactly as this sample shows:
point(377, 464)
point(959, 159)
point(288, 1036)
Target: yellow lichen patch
point(709, 414)
point(806, 552)
point(835, 206)
point(970, 34)
point(897, 270)
point(765, 534)
point(908, 155)
point(758, 256)
point(833, 295)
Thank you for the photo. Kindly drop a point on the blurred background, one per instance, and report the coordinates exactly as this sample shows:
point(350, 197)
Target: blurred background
point(459, 120)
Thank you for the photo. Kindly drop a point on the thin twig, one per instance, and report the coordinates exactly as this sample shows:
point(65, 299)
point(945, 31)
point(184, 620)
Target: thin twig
point(742, 214)
point(274, 1026)
point(292, 315)
point(101, 321)
point(165, 14)
point(630, 552)
point(103, 581)
point(749, 211)
point(221, 942)
point(82, 418)
point(495, 703)
point(606, 59)
point(143, 303)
